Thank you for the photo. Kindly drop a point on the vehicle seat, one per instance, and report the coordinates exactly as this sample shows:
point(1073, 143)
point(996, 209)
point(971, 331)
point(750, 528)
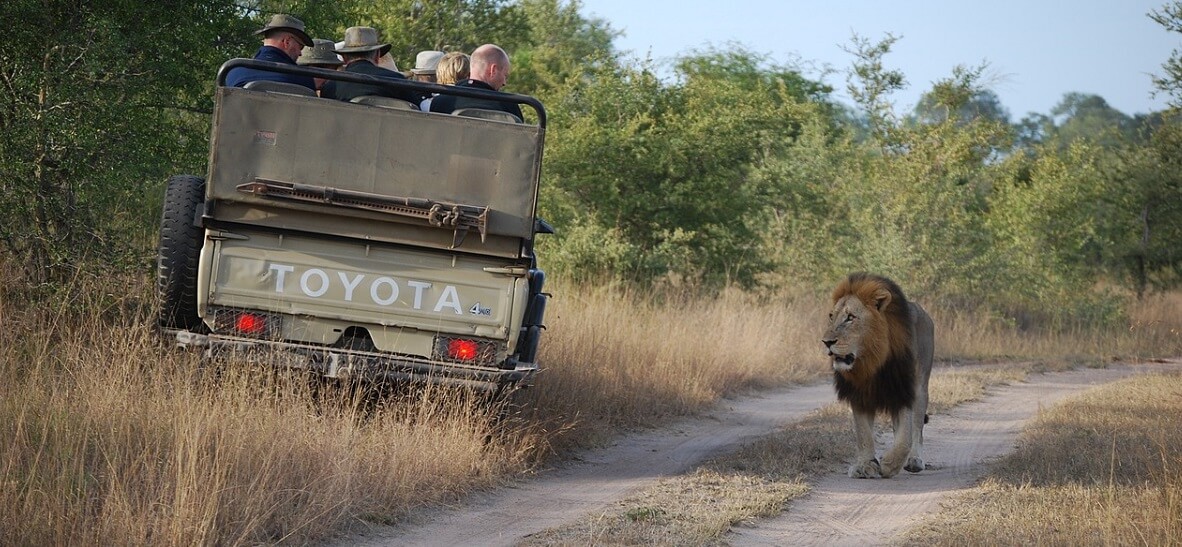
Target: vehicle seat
point(496, 115)
point(279, 87)
point(384, 102)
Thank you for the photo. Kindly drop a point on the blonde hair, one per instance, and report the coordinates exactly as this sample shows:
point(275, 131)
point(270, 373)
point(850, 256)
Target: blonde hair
point(452, 68)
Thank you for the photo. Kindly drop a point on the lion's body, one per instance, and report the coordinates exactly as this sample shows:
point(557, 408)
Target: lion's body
point(881, 347)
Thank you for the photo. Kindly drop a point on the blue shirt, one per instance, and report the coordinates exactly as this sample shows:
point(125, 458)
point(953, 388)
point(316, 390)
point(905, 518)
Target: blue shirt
point(239, 76)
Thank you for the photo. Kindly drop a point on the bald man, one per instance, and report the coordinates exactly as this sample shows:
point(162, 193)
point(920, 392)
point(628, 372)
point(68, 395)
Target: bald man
point(488, 71)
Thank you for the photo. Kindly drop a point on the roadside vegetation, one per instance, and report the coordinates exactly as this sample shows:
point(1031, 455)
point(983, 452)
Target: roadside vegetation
point(115, 438)
point(1102, 469)
point(701, 220)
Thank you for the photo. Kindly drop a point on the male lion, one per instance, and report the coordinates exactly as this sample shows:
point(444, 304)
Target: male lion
point(881, 349)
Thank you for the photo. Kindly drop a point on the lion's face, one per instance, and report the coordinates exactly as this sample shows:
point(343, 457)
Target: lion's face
point(854, 331)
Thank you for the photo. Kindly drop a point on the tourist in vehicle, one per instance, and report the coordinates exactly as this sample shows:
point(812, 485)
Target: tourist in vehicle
point(452, 68)
point(425, 66)
point(321, 55)
point(489, 71)
point(360, 52)
point(283, 41)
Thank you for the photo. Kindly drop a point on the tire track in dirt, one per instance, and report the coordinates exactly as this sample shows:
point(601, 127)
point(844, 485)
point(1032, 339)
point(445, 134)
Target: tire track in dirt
point(958, 445)
point(601, 477)
point(838, 511)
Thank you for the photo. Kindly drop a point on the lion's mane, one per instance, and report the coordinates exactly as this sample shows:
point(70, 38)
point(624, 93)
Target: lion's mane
point(883, 378)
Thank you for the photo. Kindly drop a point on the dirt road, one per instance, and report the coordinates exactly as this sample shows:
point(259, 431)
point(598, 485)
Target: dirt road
point(838, 511)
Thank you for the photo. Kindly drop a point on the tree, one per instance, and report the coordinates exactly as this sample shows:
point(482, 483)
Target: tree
point(947, 100)
point(410, 26)
point(870, 84)
point(563, 45)
point(97, 102)
point(1170, 17)
point(661, 172)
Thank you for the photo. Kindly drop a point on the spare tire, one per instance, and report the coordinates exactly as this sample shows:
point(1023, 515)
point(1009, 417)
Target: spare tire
point(181, 238)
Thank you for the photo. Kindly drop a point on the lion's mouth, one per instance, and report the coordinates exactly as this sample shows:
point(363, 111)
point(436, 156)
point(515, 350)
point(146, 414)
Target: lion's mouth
point(842, 362)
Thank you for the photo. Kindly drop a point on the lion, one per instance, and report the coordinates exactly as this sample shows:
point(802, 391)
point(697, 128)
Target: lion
point(880, 346)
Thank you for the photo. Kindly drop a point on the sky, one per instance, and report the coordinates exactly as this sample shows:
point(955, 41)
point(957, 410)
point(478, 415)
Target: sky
point(1036, 50)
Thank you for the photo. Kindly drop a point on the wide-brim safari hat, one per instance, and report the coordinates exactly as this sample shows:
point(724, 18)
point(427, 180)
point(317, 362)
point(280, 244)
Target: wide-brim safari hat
point(321, 53)
point(426, 61)
point(282, 21)
point(361, 40)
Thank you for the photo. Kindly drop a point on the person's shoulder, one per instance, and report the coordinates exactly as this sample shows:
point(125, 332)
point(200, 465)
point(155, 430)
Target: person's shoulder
point(329, 90)
point(443, 103)
point(374, 70)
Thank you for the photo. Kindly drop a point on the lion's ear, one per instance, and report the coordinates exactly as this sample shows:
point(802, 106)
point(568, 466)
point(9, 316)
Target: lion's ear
point(882, 297)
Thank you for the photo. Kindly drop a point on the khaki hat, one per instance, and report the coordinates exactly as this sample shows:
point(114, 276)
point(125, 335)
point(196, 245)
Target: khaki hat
point(361, 40)
point(282, 21)
point(426, 61)
point(321, 53)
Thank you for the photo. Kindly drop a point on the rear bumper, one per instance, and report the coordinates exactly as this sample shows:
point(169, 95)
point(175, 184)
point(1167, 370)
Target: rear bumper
point(361, 365)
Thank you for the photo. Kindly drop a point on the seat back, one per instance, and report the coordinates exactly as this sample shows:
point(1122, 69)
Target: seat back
point(279, 87)
point(487, 114)
point(384, 102)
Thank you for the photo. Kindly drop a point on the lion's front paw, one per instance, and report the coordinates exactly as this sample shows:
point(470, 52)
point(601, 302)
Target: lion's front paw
point(865, 470)
point(914, 464)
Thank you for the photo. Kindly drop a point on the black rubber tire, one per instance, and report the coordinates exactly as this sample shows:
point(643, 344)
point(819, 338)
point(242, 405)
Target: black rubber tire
point(181, 239)
point(535, 313)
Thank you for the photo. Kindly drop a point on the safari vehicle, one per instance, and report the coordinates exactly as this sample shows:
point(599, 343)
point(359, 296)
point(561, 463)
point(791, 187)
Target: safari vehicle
point(362, 241)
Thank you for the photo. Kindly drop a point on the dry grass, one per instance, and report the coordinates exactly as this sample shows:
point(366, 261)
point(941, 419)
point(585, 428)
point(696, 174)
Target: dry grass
point(617, 360)
point(116, 438)
point(1102, 469)
point(1153, 328)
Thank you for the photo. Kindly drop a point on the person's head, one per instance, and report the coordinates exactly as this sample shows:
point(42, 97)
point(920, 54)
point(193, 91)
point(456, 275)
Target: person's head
point(320, 55)
point(426, 63)
point(490, 64)
point(361, 43)
point(285, 33)
point(452, 68)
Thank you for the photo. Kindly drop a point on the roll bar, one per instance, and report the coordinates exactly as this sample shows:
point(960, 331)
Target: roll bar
point(383, 82)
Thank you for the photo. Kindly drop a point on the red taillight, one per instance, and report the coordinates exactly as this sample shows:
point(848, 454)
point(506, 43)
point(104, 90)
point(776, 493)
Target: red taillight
point(249, 323)
point(464, 350)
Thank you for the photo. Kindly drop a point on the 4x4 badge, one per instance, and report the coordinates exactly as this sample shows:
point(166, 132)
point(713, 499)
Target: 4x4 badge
point(477, 310)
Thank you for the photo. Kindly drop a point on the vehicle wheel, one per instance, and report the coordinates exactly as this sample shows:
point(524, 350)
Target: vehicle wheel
point(177, 256)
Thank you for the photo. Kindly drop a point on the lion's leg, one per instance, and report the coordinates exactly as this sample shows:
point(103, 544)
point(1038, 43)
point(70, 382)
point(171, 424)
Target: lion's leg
point(915, 462)
point(924, 339)
point(865, 465)
point(896, 457)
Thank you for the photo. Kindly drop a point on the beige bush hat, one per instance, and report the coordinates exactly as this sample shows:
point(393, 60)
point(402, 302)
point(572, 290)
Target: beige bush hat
point(426, 61)
point(282, 21)
point(321, 53)
point(361, 40)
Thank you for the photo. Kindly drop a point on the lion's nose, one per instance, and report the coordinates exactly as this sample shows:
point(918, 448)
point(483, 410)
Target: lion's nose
point(828, 343)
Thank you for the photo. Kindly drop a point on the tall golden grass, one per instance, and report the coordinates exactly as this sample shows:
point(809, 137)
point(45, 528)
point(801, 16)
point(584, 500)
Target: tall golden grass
point(1102, 469)
point(114, 437)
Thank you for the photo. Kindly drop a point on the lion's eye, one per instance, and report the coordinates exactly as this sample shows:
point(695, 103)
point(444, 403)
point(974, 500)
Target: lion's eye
point(849, 317)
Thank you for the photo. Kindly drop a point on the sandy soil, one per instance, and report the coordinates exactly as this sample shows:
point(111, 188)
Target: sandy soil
point(838, 511)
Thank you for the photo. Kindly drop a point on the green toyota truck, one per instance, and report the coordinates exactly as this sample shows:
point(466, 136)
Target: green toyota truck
point(365, 240)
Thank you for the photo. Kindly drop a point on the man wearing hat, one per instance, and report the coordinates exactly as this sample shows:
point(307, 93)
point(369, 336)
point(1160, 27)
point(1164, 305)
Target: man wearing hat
point(283, 40)
point(425, 63)
point(361, 50)
point(321, 55)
